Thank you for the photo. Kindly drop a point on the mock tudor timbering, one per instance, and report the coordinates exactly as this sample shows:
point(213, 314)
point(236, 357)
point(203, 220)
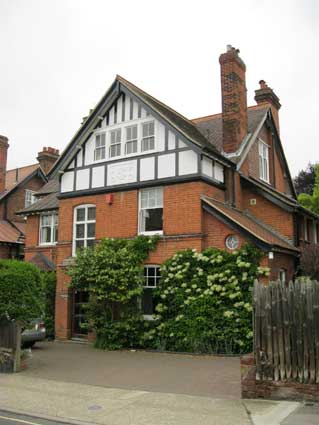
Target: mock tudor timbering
point(136, 166)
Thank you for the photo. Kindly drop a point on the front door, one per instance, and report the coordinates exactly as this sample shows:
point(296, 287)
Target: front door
point(80, 298)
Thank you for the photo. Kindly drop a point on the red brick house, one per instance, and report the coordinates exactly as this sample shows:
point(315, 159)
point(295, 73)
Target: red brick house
point(17, 190)
point(136, 166)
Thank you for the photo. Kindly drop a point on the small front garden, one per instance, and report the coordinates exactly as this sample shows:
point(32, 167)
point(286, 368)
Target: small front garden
point(203, 301)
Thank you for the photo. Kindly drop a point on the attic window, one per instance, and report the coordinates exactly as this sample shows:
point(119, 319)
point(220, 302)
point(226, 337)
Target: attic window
point(115, 146)
point(263, 161)
point(148, 136)
point(99, 152)
point(29, 198)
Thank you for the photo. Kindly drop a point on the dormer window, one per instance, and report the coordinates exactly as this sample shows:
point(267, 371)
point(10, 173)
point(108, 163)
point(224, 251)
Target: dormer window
point(29, 198)
point(115, 144)
point(131, 140)
point(148, 136)
point(263, 161)
point(99, 152)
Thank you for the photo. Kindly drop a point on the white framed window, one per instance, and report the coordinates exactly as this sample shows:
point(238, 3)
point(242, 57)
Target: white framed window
point(131, 140)
point(148, 136)
point(83, 227)
point(29, 198)
point(152, 275)
point(99, 152)
point(282, 275)
point(151, 211)
point(115, 143)
point(263, 161)
point(48, 233)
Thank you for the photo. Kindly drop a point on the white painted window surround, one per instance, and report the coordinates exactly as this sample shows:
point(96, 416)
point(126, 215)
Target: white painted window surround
point(128, 139)
point(83, 227)
point(29, 198)
point(150, 217)
point(263, 155)
point(152, 275)
point(48, 229)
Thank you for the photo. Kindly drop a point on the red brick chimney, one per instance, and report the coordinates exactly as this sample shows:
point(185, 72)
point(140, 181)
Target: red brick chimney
point(234, 99)
point(47, 158)
point(266, 95)
point(3, 161)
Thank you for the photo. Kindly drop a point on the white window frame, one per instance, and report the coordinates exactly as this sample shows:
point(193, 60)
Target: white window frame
point(157, 267)
point(263, 160)
point(54, 224)
point(32, 200)
point(85, 222)
point(131, 140)
point(140, 210)
point(282, 275)
point(122, 126)
point(115, 130)
point(147, 137)
point(100, 150)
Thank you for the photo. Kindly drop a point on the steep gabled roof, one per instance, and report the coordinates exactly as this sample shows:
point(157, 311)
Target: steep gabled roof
point(50, 187)
point(47, 203)
point(10, 234)
point(246, 223)
point(184, 126)
point(211, 126)
point(17, 176)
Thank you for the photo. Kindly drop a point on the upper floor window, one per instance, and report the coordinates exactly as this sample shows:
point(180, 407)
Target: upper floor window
point(263, 161)
point(29, 198)
point(152, 275)
point(99, 152)
point(151, 211)
point(48, 229)
point(84, 227)
point(115, 143)
point(131, 140)
point(148, 136)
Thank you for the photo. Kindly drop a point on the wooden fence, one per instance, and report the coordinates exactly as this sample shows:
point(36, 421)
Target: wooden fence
point(286, 331)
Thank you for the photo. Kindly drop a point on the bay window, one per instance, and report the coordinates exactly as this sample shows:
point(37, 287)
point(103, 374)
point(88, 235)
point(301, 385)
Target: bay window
point(151, 211)
point(84, 227)
point(48, 229)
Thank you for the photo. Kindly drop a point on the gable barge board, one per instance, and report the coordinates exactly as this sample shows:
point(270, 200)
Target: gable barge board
point(140, 185)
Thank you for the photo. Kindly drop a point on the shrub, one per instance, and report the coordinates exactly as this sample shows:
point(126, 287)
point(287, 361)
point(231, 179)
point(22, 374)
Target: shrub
point(309, 261)
point(48, 287)
point(112, 274)
point(20, 291)
point(206, 301)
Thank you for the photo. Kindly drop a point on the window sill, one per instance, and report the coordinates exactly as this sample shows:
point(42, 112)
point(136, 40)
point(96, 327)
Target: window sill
point(149, 317)
point(47, 244)
point(157, 232)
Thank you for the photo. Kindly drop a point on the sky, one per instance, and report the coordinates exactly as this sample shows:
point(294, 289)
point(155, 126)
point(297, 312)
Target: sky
point(58, 58)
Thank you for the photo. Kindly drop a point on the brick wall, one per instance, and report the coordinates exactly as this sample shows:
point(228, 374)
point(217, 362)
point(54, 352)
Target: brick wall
point(16, 200)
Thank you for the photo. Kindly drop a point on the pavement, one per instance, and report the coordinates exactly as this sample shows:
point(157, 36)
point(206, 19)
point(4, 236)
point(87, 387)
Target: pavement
point(73, 383)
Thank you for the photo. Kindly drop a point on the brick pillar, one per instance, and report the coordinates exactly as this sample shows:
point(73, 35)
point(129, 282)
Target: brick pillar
point(3, 161)
point(234, 99)
point(266, 96)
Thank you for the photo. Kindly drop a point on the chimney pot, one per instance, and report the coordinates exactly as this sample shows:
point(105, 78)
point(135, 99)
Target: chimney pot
point(3, 161)
point(265, 95)
point(47, 157)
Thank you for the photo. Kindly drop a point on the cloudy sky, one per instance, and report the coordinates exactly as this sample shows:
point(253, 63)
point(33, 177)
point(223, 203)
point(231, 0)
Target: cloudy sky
point(58, 57)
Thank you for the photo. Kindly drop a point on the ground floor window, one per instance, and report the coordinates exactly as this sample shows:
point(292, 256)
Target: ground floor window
point(282, 275)
point(152, 275)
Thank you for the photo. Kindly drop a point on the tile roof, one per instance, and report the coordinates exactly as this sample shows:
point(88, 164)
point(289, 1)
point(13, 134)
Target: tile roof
point(211, 126)
point(47, 203)
point(42, 262)
point(16, 176)
point(50, 187)
point(182, 124)
point(10, 234)
point(251, 224)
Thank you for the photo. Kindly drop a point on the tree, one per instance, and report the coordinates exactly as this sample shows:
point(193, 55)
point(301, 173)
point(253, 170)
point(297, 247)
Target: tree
point(305, 181)
point(311, 201)
point(21, 296)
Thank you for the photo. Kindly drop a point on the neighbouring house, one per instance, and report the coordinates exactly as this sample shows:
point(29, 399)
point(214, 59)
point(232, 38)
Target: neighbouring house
point(136, 166)
point(17, 191)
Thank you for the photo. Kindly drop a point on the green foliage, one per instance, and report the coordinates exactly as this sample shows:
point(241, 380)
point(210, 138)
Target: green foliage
point(206, 301)
point(112, 274)
point(311, 202)
point(48, 287)
point(20, 291)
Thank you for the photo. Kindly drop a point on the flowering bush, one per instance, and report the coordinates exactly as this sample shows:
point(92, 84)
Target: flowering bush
point(205, 301)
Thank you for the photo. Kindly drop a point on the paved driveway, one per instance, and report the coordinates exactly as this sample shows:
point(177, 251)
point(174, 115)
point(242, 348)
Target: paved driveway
point(217, 377)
